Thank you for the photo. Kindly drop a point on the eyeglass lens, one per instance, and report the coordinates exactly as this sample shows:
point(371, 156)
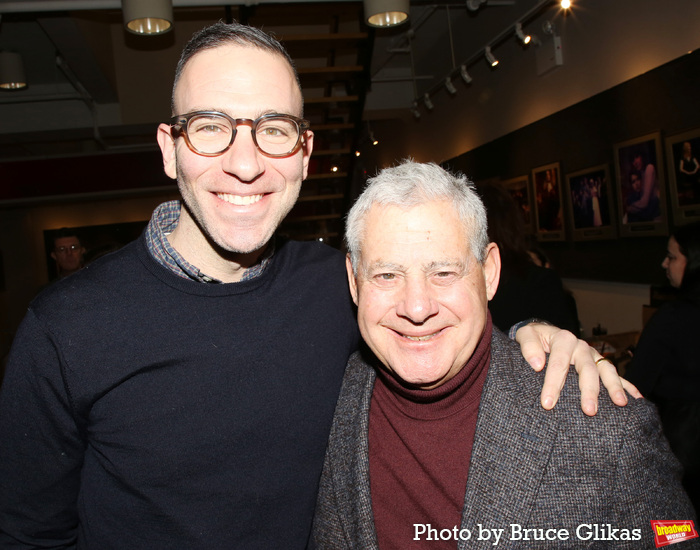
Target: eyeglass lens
point(211, 134)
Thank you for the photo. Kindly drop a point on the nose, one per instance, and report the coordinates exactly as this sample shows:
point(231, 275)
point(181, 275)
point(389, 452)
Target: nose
point(664, 264)
point(243, 159)
point(417, 303)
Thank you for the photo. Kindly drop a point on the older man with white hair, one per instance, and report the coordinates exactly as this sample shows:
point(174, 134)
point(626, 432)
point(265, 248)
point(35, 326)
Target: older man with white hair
point(438, 439)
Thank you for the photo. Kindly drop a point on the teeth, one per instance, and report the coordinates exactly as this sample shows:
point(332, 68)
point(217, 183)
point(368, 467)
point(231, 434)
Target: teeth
point(238, 199)
point(419, 338)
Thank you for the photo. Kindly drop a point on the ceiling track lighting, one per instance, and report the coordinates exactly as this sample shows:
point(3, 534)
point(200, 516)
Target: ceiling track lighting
point(465, 75)
point(524, 38)
point(148, 17)
point(490, 57)
point(414, 110)
point(474, 5)
point(515, 27)
point(386, 13)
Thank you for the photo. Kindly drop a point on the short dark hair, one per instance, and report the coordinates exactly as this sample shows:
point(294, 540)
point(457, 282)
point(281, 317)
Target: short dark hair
point(223, 34)
point(63, 233)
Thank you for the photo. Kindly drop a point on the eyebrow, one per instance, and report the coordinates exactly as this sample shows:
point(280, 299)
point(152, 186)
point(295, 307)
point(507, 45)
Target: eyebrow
point(381, 265)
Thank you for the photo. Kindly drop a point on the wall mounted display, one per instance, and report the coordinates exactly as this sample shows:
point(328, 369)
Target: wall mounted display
point(519, 189)
point(589, 194)
point(640, 186)
point(682, 152)
point(549, 219)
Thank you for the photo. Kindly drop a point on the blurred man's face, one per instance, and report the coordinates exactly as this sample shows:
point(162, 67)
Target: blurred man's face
point(68, 253)
point(422, 296)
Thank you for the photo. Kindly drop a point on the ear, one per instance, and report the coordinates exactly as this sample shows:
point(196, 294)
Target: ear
point(307, 146)
point(492, 269)
point(352, 282)
point(167, 149)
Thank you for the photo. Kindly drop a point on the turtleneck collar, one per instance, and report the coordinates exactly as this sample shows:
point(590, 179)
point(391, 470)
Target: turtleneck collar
point(449, 398)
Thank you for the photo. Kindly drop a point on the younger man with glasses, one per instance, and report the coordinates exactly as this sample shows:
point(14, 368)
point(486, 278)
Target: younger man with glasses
point(179, 393)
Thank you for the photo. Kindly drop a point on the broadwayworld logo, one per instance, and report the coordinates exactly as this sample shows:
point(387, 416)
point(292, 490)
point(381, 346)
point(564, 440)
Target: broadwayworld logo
point(670, 532)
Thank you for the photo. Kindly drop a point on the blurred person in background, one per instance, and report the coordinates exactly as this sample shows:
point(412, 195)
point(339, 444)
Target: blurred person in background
point(68, 252)
point(666, 362)
point(526, 290)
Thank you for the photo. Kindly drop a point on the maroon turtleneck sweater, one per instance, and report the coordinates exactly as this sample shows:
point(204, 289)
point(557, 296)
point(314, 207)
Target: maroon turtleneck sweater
point(420, 444)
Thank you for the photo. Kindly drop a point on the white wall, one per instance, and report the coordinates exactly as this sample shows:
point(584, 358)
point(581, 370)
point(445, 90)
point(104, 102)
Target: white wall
point(604, 43)
point(615, 306)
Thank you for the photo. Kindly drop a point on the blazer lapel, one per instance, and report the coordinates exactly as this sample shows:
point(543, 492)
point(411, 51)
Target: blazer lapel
point(350, 459)
point(513, 442)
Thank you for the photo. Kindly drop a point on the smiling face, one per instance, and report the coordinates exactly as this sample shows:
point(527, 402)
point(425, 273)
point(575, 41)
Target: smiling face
point(422, 296)
point(674, 263)
point(234, 202)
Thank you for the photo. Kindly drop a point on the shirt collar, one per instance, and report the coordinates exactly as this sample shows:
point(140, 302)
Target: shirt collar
point(163, 221)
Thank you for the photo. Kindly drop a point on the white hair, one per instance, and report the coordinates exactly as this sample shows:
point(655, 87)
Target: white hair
point(410, 184)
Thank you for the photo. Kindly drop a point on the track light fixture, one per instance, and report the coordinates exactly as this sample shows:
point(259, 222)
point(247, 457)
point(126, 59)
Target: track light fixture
point(474, 5)
point(449, 86)
point(489, 56)
point(414, 110)
point(524, 38)
point(465, 75)
point(565, 4)
point(429, 104)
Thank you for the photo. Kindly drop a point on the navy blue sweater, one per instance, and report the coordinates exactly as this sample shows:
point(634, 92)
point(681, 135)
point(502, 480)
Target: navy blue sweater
point(143, 410)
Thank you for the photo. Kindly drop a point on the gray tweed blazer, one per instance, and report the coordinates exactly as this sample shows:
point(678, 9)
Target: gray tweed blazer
point(529, 467)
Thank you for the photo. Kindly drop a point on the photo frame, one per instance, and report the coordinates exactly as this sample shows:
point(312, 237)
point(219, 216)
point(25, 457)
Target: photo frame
point(640, 187)
point(683, 155)
point(549, 212)
point(519, 189)
point(590, 205)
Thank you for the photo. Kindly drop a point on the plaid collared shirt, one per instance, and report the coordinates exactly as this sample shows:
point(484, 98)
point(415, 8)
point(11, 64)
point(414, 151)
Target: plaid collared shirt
point(163, 222)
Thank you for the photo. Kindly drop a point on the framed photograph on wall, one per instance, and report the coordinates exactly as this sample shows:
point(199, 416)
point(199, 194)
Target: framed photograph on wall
point(683, 152)
point(519, 189)
point(640, 186)
point(549, 218)
point(589, 198)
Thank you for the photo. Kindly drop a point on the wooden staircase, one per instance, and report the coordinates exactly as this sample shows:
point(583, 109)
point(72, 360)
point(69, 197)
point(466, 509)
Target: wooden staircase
point(331, 49)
